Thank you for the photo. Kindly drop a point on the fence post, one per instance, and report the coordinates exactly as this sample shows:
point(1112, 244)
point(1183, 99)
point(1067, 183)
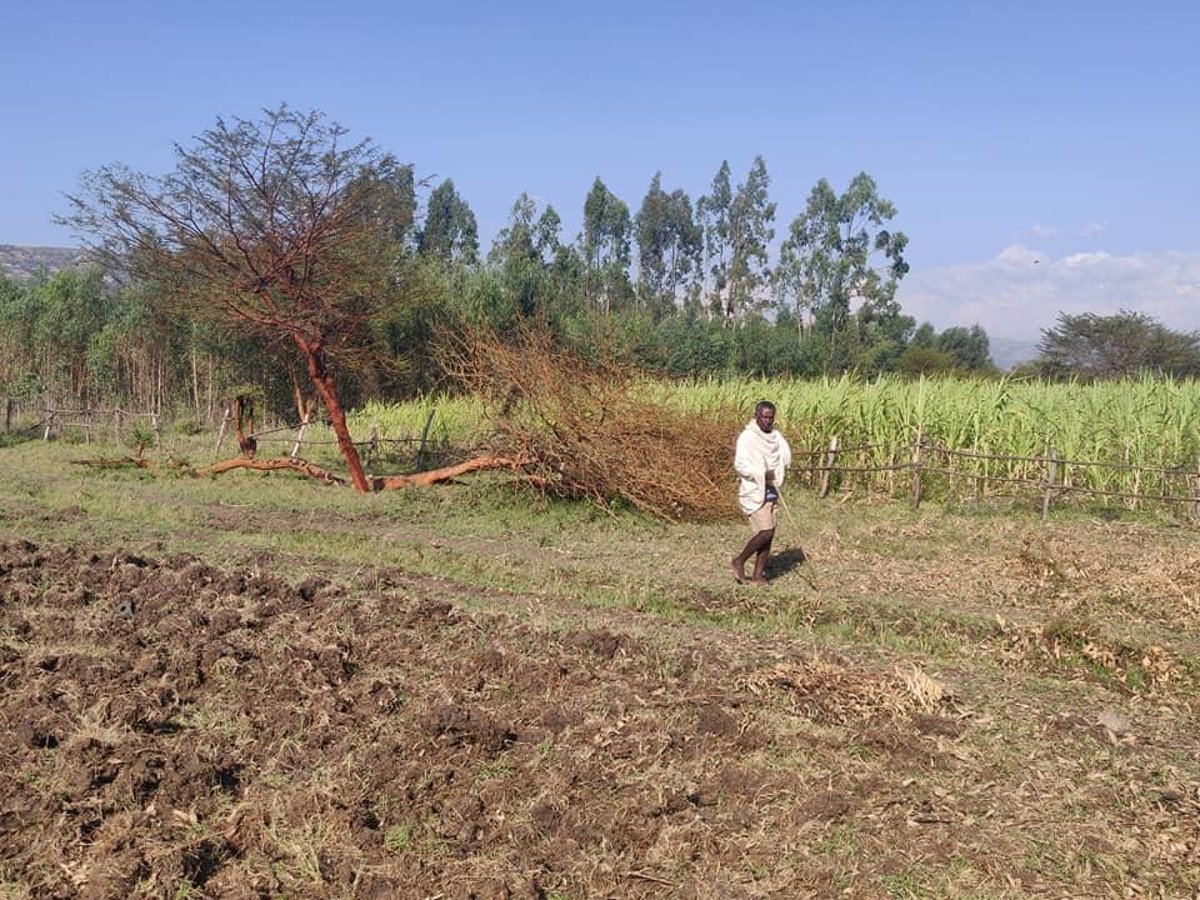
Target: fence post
point(830, 459)
point(224, 427)
point(157, 432)
point(1196, 490)
point(49, 424)
point(916, 467)
point(299, 437)
point(1051, 480)
point(420, 462)
point(373, 442)
point(117, 426)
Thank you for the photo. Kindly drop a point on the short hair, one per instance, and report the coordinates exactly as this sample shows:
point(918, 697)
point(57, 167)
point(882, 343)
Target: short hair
point(764, 404)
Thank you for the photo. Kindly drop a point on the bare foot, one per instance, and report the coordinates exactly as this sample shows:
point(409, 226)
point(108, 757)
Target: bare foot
point(759, 582)
point(739, 573)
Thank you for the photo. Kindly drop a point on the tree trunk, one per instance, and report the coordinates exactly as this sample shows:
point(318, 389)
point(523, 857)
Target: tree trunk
point(314, 357)
point(195, 383)
point(271, 465)
point(447, 473)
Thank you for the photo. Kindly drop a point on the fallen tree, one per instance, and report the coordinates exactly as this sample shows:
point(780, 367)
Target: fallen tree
point(575, 427)
point(379, 483)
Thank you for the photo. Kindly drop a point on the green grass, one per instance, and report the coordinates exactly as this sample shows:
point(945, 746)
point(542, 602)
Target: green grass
point(484, 533)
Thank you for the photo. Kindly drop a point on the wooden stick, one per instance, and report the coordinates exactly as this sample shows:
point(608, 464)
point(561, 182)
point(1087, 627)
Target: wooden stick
point(916, 467)
point(1051, 479)
point(830, 459)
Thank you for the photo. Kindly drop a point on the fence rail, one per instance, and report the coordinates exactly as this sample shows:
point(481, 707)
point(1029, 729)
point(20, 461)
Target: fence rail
point(1053, 480)
point(56, 420)
point(1048, 476)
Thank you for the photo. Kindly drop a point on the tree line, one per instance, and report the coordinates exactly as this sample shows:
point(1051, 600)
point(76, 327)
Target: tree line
point(281, 257)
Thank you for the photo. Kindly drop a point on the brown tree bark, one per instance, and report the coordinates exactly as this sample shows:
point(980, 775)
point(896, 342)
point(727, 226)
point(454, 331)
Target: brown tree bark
point(386, 483)
point(272, 465)
point(314, 357)
point(446, 473)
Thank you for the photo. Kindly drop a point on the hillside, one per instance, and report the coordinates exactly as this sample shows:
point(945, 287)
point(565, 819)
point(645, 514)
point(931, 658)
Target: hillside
point(1008, 352)
point(23, 263)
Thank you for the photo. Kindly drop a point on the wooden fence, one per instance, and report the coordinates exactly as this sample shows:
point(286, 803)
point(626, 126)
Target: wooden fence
point(966, 472)
point(120, 423)
point(911, 471)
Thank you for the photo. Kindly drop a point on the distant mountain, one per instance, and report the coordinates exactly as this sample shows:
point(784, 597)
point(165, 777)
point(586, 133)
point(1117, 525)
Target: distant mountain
point(23, 263)
point(1007, 352)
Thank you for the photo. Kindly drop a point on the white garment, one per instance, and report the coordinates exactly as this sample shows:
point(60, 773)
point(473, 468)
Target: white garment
point(759, 452)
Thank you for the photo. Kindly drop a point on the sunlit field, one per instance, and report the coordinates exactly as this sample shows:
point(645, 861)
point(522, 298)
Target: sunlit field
point(1146, 432)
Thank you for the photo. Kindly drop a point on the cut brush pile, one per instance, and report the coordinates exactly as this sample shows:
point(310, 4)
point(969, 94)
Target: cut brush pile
point(585, 431)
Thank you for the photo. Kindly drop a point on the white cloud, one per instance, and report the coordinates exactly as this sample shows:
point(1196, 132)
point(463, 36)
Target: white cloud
point(1022, 290)
point(1016, 256)
point(1094, 229)
point(1043, 231)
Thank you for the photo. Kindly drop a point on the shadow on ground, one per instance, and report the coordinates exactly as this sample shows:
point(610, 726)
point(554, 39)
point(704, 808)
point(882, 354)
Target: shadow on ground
point(786, 561)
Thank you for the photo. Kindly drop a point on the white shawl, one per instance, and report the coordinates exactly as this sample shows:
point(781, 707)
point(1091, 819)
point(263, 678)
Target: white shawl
point(759, 452)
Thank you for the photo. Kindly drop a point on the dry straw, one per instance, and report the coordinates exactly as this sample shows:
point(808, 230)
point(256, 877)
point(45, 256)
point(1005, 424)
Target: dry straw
point(585, 428)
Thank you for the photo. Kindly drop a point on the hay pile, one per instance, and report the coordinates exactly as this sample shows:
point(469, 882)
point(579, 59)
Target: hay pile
point(585, 429)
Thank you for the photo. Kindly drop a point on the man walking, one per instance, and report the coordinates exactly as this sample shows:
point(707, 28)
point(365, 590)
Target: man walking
point(761, 459)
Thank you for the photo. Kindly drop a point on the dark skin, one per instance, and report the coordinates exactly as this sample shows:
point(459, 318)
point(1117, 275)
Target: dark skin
point(759, 546)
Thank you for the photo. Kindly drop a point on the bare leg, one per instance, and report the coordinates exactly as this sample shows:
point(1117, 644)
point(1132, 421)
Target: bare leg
point(759, 546)
point(760, 559)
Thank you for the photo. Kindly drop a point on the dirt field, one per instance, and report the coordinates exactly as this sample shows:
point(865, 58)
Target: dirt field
point(174, 727)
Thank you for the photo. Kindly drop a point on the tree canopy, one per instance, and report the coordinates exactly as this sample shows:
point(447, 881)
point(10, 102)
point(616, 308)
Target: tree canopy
point(840, 252)
point(1092, 346)
point(277, 227)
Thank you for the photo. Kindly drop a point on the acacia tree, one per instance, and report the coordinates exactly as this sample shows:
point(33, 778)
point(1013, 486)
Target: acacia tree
point(277, 228)
point(1119, 346)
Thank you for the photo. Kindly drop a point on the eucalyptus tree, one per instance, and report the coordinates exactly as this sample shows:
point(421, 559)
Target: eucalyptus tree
point(670, 246)
point(55, 320)
point(839, 254)
point(530, 234)
point(738, 229)
point(20, 373)
point(605, 245)
point(751, 220)
point(450, 233)
point(715, 213)
point(279, 228)
point(522, 258)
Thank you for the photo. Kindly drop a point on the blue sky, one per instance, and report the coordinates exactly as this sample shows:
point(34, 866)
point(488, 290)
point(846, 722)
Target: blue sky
point(1042, 156)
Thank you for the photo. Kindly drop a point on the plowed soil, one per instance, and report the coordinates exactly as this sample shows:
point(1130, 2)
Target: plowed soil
point(176, 729)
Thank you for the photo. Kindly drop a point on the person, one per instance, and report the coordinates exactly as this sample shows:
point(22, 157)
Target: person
point(761, 459)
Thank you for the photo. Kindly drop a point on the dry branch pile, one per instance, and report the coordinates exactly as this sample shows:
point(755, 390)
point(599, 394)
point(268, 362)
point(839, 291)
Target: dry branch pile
point(587, 432)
